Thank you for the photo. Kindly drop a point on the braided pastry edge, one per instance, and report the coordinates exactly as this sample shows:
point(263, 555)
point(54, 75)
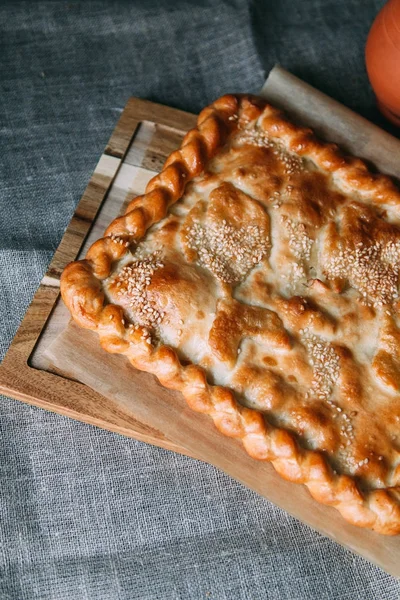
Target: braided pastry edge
point(81, 289)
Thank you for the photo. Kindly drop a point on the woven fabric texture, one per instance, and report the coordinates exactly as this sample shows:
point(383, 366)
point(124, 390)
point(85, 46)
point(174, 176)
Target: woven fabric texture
point(86, 514)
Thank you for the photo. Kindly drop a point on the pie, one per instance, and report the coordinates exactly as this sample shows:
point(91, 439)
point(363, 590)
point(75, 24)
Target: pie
point(259, 276)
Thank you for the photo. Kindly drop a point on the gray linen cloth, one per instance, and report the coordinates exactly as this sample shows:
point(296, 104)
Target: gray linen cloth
point(85, 513)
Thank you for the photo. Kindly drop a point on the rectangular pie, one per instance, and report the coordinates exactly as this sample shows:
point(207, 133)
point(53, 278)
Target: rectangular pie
point(259, 276)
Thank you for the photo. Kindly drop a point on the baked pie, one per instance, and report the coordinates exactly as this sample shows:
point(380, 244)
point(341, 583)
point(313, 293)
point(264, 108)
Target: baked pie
point(259, 276)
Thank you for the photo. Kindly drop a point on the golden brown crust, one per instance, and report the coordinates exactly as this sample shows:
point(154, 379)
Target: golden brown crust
point(84, 294)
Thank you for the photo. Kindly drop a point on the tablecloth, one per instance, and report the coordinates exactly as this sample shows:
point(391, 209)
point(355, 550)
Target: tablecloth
point(86, 514)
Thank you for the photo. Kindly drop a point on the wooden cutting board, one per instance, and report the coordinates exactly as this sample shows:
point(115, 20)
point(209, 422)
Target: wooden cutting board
point(144, 136)
point(41, 364)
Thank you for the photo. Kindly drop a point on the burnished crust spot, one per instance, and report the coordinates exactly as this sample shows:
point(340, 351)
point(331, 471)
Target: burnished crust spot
point(235, 321)
point(275, 177)
point(82, 294)
point(386, 363)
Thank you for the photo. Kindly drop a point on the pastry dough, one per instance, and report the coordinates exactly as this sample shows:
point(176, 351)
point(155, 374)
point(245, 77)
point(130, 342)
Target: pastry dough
point(259, 275)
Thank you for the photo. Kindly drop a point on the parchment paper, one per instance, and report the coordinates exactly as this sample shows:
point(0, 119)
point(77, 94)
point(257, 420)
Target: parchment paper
point(332, 121)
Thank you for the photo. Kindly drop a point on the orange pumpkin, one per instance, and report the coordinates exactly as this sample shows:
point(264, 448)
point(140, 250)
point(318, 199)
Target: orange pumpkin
point(382, 54)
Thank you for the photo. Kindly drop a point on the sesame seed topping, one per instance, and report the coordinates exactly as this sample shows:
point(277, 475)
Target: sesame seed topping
point(133, 282)
point(228, 252)
point(326, 369)
point(372, 270)
point(325, 363)
point(299, 242)
point(292, 163)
